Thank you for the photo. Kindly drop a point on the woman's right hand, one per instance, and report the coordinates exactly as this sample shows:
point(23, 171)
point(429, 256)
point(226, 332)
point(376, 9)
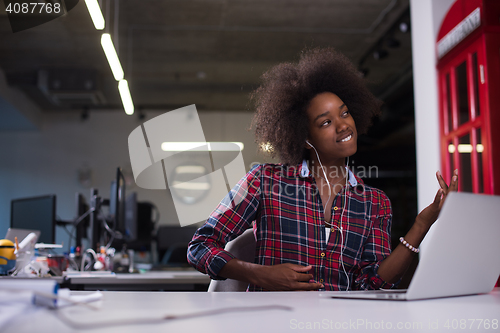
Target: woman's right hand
point(285, 277)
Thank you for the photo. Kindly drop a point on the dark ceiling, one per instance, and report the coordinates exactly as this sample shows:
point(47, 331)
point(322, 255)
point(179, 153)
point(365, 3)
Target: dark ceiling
point(205, 52)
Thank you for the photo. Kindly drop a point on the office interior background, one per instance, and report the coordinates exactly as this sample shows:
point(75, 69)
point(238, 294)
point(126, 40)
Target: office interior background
point(68, 133)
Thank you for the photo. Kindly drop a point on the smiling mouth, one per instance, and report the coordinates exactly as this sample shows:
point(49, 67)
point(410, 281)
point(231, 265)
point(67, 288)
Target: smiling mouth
point(346, 139)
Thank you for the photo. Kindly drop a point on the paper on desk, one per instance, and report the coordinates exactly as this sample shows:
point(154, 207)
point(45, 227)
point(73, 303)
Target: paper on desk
point(36, 288)
point(19, 296)
point(13, 304)
point(66, 294)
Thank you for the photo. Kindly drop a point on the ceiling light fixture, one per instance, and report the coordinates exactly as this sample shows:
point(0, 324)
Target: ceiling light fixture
point(404, 27)
point(200, 186)
point(465, 148)
point(202, 146)
point(190, 169)
point(128, 105)
point(95, 14)
point(112, 56)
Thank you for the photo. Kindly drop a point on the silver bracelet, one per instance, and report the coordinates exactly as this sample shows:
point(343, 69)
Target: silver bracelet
point(410, 247)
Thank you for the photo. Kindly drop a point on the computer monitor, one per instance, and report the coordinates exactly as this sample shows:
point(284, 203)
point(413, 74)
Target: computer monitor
point(131, 227)
point(139, 224)
point(81, 208)
point(117, 202)
point(36, 213)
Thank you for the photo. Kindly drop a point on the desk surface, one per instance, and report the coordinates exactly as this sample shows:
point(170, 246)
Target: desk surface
point(160, 280)
point(180, 279)
point(172, 277)
point(308, 311)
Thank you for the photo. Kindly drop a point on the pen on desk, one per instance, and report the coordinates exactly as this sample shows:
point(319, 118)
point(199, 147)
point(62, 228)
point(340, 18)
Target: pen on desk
point(17, 244)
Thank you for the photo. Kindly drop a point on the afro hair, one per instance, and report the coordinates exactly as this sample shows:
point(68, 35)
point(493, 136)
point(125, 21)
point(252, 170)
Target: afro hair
point(281, 101)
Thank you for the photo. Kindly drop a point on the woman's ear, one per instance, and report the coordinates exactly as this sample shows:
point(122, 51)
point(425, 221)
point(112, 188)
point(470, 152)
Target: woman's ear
point(307, 145)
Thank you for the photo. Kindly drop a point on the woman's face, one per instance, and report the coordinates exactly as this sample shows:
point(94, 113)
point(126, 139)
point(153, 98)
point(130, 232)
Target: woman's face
point(332, 130)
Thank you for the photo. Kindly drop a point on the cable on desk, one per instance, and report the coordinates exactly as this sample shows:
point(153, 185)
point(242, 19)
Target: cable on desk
point(51, 296)
point(75, 223)
point(94, 255)
point(113, 232)
point(143, 321)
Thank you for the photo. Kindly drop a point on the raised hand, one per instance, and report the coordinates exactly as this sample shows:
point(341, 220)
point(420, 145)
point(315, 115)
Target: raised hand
point(447, 189)
point(430, 214)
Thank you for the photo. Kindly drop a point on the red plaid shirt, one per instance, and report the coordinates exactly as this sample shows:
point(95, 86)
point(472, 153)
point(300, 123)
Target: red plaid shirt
point(286, 205)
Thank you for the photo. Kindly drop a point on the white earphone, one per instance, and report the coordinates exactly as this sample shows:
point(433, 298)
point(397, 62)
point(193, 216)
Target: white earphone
point(341, 215)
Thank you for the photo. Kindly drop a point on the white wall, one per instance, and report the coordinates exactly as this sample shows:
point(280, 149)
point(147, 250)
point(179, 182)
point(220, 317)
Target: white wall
point(48, 160)
point(16, 110)
point(426, 18)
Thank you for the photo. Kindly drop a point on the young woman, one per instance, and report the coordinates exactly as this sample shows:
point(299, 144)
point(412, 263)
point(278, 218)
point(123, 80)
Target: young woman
point(317, 225)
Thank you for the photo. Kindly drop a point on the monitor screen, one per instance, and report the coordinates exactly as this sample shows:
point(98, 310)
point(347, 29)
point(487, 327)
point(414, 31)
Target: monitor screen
point(131, 217)
point(37, 213)
point(117, 201)
point(81, 209)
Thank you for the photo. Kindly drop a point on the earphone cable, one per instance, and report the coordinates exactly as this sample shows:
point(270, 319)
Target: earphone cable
point(343, 209)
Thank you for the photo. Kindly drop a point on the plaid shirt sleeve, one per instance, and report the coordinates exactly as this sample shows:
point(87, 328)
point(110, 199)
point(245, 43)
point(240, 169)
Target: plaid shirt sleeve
point(376, 248)
point(231, 218)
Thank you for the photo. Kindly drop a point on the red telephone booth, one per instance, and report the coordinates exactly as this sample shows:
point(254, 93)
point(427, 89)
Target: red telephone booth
point(468, 51)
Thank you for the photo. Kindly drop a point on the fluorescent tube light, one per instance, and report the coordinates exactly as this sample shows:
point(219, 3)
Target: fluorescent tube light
point(128, 105)
point(202, 146)
point(465, 148)
point(191, 186)
point(95, 13)
point(114, 62)
point(190, 169)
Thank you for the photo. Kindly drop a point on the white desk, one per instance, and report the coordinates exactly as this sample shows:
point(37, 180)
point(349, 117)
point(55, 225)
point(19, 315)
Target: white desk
point(307, 309)
point(186, 279)
point(171, 280)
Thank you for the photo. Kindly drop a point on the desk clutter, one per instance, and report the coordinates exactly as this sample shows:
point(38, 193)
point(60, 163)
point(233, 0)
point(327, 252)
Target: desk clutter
point(107, 269)
point(117, 234)
point(31, 259)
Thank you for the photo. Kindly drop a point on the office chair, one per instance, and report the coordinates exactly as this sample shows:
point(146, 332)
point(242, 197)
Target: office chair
point(243, 248)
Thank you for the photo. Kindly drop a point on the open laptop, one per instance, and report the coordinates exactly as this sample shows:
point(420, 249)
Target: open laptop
point(12, 233)
point(460, 255)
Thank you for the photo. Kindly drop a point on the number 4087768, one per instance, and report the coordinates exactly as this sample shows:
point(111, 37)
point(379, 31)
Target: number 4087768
point(33, 8)
point(471, 324)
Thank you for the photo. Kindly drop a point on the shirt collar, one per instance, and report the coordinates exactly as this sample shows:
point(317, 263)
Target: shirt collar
point(305, 172)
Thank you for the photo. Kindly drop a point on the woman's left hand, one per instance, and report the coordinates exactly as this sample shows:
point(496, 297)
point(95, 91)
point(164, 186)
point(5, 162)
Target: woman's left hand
point(430, 213)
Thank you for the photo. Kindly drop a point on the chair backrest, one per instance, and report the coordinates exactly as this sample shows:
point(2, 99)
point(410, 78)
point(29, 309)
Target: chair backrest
point(243, 248)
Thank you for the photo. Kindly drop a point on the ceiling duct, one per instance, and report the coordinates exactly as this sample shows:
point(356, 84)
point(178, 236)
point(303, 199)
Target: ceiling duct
point(70, 87)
